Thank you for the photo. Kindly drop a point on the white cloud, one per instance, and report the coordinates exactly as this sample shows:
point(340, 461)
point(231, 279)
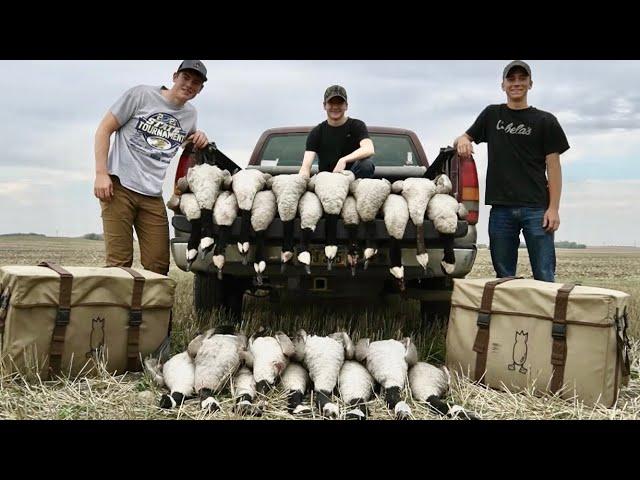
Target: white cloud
point(12, 188)
point(34, 176)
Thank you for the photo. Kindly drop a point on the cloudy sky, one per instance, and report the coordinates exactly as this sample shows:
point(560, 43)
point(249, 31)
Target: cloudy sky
point(52, 109)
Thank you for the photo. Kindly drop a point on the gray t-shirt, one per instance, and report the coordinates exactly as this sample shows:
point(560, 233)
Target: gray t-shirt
point(152, 130)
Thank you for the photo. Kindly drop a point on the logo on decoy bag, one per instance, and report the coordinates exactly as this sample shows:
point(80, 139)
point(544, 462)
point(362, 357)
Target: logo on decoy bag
point(520, 350)
point(96, 340)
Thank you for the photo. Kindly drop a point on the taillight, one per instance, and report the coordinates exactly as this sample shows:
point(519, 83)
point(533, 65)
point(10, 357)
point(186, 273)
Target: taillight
point(183, 164)
point(468, 188)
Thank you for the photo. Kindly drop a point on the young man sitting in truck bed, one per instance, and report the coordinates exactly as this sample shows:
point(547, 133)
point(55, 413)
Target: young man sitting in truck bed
point(340, 142)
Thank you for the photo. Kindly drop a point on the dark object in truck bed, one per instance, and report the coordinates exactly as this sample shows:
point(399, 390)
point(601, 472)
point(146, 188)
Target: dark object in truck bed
point(213, 156)
point(437, 166)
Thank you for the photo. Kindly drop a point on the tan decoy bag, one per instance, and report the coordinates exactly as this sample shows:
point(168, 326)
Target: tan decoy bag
point(519, 334)
point(67, 320)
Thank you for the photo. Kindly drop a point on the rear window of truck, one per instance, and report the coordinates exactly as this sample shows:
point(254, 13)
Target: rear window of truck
point(287, 150)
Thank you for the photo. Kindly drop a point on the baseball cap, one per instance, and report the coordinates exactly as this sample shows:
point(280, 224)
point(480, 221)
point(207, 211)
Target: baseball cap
point(196, 65)
point(335, 91)
point(516, 63)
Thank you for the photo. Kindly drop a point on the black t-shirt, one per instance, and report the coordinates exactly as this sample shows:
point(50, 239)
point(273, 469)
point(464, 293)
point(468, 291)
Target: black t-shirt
point(332, 143)
point(518, 142)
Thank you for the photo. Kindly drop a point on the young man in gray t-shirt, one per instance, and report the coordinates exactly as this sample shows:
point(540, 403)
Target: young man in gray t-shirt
point(151, 123)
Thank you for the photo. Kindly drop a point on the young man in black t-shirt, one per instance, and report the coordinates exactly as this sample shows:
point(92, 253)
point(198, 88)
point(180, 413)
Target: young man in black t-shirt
point(522, 143)
point(341, 143)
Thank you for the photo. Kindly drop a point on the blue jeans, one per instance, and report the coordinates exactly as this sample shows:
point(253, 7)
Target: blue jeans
point(505, 223)
point(363, 168)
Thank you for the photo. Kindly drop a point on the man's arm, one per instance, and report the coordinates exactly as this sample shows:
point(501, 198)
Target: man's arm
point(475, 133)
point(551, 221)
point(463, 145)
point(307, 161)
point(366, 150)
point(103, 187)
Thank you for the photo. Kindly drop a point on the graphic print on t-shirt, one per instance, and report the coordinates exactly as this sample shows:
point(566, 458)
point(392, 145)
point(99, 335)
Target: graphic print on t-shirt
point(161, 131)
point(520, 129)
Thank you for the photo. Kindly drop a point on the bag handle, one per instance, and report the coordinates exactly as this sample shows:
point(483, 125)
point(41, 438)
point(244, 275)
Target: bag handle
point(559, 335)
point(481, 343)
point(56, 349)
point(135, 319)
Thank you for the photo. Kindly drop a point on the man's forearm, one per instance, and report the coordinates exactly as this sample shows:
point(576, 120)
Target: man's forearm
point(554, 176)
point(101, 152)
point(307, 160)
point(359, 154)
point(306, 164)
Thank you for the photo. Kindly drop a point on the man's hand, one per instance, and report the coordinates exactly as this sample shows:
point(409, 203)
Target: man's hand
point(199, 139)
point(464, 147)
point(340, 166)
point(551, 221)
point(103, 187)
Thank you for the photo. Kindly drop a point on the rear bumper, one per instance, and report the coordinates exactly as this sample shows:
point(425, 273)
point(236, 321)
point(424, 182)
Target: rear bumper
point(378, 268)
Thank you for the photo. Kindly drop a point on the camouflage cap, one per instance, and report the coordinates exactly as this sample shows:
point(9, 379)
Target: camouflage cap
point(196, 65)
point(335, 91)
point(516, 63)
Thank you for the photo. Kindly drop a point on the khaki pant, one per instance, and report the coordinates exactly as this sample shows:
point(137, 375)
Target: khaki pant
point(128, 209)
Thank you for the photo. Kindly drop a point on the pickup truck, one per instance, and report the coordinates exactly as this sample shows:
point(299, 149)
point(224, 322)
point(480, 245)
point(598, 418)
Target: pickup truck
point(399, 154)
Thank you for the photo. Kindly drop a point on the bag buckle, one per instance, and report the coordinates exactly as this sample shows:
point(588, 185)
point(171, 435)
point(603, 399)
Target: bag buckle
point(483, 319)
point(62, 317)
point(135, 318)
point(559, 330)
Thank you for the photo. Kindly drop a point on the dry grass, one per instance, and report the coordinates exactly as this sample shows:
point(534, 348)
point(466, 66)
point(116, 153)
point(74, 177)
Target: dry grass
point(133, 396)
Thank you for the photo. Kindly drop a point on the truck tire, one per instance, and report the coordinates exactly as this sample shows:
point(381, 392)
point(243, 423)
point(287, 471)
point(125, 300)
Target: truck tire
point(209, 293)
point(435, 313)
